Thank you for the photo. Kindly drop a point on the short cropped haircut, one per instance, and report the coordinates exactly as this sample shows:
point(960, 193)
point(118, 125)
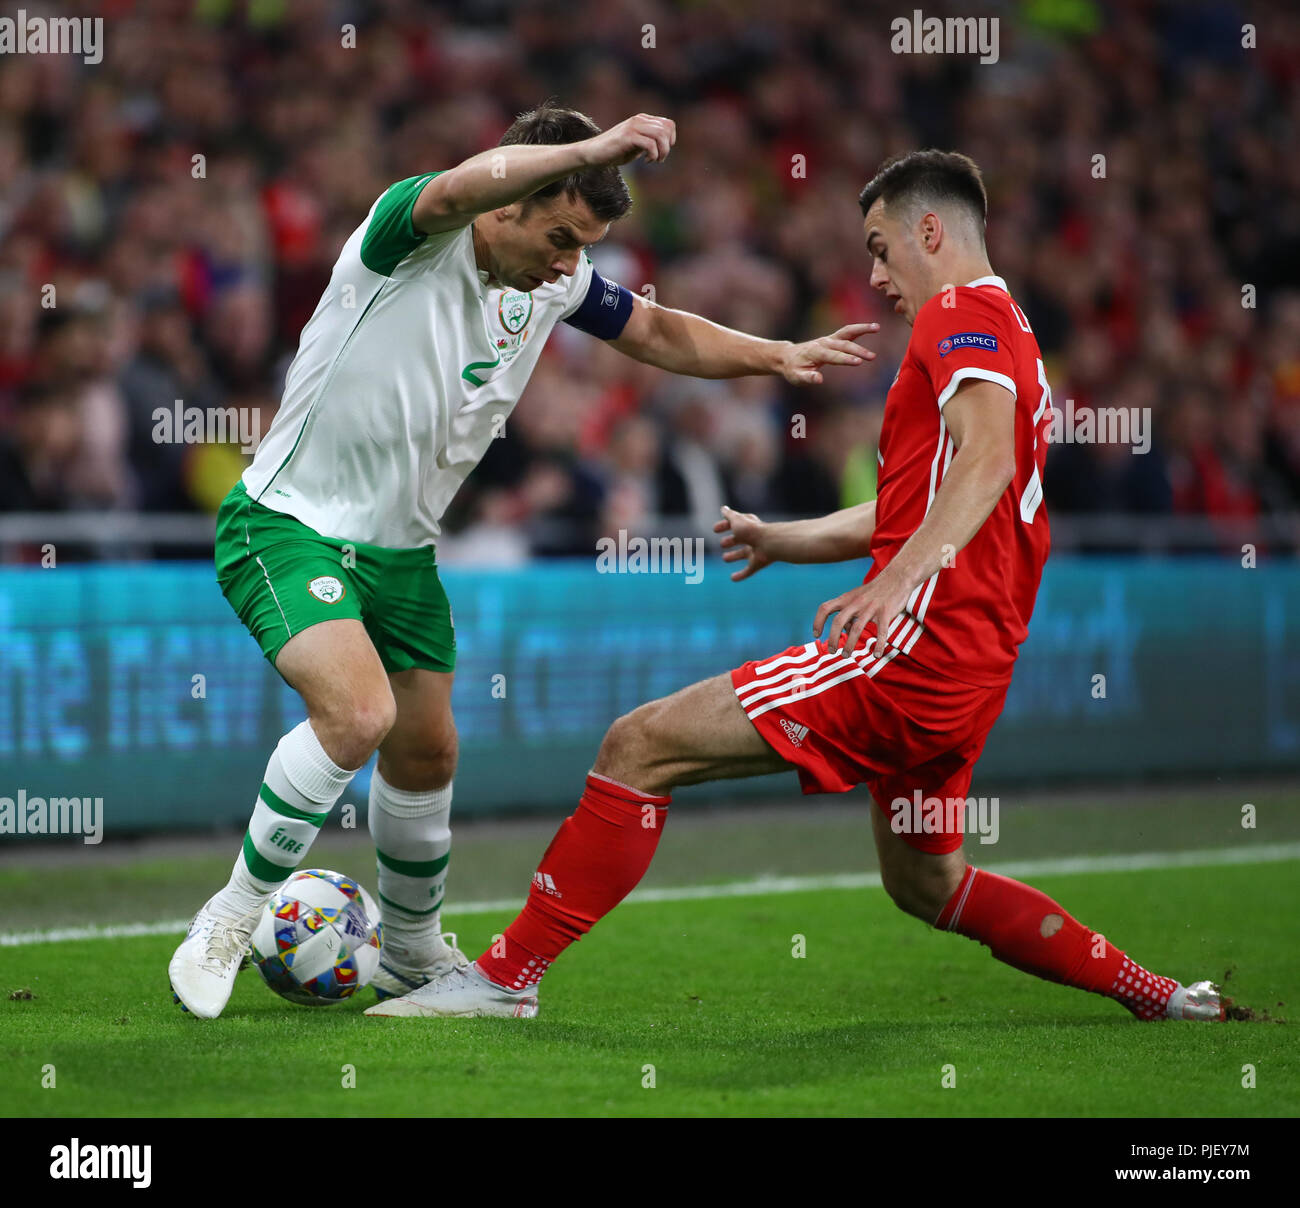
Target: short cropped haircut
point(603, 188)
point(929, 177)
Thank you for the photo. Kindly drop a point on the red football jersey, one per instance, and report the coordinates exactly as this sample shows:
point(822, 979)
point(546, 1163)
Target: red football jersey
point(966, 621)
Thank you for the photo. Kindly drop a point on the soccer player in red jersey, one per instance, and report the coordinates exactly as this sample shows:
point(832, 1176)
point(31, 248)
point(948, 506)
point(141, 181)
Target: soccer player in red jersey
point(912, 674)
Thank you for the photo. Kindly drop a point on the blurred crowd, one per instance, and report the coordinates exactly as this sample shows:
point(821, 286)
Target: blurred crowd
point(1164, 276)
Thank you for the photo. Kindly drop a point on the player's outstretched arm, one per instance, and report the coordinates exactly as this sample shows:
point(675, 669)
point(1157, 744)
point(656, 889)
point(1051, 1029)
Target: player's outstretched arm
point(981, 416)
point(838, 537)
point(504, 175)
point(684, 343)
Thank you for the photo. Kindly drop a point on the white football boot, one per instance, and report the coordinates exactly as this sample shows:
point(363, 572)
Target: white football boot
point(1200, 1000)
point(393, 978)
point(460, 993)
point(203, 968)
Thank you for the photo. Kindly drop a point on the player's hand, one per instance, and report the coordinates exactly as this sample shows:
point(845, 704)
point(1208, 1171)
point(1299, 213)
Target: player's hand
point(744, 538)
point(801, 365)
point(879, 601)
point(643, 134)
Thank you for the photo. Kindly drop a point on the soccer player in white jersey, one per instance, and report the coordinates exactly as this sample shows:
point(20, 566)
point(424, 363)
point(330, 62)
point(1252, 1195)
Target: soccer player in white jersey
point(435, 315)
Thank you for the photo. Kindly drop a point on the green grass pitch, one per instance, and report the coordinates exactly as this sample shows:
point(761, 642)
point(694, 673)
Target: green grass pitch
point(705, 1000)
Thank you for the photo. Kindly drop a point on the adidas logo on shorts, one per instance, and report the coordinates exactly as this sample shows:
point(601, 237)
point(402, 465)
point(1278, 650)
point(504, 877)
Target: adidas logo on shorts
point(793, 731)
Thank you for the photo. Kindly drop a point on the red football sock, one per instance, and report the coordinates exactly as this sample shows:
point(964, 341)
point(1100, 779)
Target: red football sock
point(595, 860)
point(1027, 930)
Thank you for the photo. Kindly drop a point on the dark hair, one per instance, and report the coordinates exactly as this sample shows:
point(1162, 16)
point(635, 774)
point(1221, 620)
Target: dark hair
point(603, 188)
point(929, 176)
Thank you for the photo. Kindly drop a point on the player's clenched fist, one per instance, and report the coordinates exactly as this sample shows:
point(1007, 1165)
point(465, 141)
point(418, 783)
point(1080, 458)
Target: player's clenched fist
point(640, 135)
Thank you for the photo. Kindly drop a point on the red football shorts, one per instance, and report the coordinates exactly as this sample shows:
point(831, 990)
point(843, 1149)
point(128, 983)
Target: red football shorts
point(849, 719)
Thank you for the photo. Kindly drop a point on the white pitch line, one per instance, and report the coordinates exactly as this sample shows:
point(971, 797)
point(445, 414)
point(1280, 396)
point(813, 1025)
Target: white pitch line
point(1270, 853)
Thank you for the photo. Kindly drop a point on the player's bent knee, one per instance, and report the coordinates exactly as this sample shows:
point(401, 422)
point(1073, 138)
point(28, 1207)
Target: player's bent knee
point(351, 731)
point(900, 892)
point(624, 748)
point(421, 766)
point(373, 719)
point(923, 893)
point(917, 904)
point(619, 742)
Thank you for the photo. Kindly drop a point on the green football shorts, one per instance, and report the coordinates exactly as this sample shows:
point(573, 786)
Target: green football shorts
point(282, 577)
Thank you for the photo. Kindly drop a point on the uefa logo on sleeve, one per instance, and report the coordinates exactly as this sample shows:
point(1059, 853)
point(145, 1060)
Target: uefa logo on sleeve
point(980, 340)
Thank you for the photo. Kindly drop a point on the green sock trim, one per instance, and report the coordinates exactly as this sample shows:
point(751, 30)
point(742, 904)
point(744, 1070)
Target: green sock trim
point(280, 806)
point(407, 910)
point(260, 866)
point(414, 868)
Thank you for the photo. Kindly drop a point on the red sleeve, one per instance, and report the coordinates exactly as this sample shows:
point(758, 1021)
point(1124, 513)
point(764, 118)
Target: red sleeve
point(970, 339)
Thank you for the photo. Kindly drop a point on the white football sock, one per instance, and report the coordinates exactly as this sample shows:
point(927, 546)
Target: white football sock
point(301, 786)
point(412, 848)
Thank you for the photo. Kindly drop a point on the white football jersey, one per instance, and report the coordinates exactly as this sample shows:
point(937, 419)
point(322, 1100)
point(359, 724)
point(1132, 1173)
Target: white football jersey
point(404, 374)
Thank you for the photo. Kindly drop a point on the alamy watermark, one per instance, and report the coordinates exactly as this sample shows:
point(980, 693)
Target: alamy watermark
point(24, 815)
point(1100, 426)
point(87, 1160)
point(920, 815)
point(182, 425)
point(922, 35)
point(651, 556)
point(25, 35)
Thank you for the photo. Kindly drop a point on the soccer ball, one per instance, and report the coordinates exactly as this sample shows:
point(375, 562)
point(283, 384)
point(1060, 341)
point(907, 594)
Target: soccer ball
point(318, 939)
